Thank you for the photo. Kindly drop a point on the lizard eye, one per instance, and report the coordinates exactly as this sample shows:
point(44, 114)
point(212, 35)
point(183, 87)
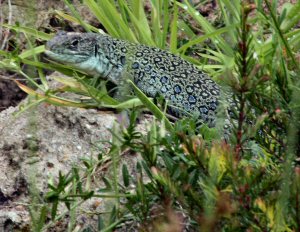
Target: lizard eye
point(74, 43)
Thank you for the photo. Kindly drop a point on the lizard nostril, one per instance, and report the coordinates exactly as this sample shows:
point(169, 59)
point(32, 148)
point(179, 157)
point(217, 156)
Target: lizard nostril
point(49, 44)
point(61, 33)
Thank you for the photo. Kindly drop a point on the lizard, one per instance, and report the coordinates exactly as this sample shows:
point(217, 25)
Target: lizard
point(156, 72)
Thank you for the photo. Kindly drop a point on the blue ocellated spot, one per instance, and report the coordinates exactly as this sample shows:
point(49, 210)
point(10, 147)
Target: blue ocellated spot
point(192, 99)
point(148, 68)
point(164, 80)
point(177, 89)
point(203, 109)
point(213, 106)
point(135, 65)
point(187, 106)
point(152, 81)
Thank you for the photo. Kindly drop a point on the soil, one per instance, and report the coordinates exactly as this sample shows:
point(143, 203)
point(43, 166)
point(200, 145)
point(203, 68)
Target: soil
point(10, 93)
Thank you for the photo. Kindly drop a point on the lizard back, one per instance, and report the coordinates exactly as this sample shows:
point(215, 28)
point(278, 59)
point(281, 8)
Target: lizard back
point(156, 72)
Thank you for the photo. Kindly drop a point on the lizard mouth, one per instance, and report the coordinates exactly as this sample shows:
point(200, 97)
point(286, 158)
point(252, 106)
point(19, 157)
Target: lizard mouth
point(70, 58)
point(77, 61)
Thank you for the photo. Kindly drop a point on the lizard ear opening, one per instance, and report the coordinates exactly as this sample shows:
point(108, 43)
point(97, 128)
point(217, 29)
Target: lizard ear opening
point(96, 50)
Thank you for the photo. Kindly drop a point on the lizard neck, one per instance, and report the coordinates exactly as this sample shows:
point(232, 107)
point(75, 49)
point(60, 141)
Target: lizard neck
point(102, 65)
point(113, 60)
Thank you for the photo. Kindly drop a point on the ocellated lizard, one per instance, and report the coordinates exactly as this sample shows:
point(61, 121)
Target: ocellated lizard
point(187, 89)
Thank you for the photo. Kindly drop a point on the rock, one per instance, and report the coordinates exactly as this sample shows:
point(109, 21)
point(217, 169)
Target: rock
point(39, 143)
point(44, 140)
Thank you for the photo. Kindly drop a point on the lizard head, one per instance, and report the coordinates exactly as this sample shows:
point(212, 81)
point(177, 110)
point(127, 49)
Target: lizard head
point(75, 49)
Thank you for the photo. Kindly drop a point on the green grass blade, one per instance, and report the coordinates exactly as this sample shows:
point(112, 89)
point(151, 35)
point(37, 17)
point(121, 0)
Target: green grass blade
point(101, 16)
point(276, 26)
point(156, 20)
point(67, 70)
point(291, 18)
point(112, 14)
point(166, 19)
point(32, 52)
point(129, 104)
point(40, 72)
point(230, 8)
point(76, 21)
point(151, 106)
point(144, 35)
point(207, 27)
point(29, 31)
point(202, 38)
point(76, 15)
point(173, 36)
point(139, 12)
point(187, 29)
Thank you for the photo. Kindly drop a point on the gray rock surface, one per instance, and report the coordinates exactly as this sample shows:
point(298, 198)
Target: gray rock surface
point(39, 143)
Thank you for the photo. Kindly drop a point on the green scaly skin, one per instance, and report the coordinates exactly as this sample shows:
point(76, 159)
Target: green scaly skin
point(156, 72)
